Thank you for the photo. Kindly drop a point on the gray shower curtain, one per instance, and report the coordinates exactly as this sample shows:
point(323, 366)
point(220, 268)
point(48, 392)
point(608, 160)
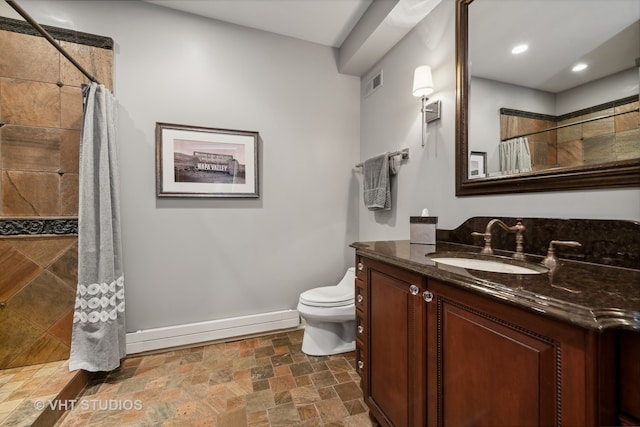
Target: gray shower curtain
point(98, 336)
point(515, 156)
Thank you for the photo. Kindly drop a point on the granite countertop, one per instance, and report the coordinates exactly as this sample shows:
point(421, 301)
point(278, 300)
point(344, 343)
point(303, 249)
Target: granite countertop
point(590, 295)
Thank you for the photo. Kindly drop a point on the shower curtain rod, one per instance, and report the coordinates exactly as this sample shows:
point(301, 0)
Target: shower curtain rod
point(50, 39)
point(571, 124)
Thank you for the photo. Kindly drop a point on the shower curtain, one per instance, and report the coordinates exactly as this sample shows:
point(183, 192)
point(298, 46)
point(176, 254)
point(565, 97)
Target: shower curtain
point(515, 156)
point(98, 334)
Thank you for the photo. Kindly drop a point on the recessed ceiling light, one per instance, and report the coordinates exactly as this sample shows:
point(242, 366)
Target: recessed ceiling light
point(519, 49)
point(579, 67)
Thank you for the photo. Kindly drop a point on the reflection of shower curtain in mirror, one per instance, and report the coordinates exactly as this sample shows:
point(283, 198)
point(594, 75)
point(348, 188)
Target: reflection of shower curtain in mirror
point(515, 156)
point(98, 337)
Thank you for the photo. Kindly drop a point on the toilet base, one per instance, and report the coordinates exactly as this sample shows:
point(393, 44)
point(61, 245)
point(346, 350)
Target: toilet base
point(327, 338)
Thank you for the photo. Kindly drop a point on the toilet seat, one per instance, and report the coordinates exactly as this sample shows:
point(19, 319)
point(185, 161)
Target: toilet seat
point(327, 296)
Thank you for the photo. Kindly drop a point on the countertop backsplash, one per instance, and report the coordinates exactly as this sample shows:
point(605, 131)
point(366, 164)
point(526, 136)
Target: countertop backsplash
point(608, 242)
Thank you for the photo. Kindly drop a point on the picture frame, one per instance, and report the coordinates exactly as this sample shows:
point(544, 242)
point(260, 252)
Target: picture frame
point(195, 161)
point(477, 164)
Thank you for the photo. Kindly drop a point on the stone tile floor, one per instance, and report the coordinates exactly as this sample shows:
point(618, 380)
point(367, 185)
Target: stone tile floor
point(262, 381)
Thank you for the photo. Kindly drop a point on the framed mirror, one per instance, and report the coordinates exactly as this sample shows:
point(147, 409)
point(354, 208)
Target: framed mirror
point(569, 129)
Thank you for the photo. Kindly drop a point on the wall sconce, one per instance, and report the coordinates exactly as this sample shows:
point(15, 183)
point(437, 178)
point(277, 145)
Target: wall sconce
point(423, 86)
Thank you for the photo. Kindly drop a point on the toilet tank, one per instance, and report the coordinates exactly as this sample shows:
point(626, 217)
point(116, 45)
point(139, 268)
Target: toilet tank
point(349, 277)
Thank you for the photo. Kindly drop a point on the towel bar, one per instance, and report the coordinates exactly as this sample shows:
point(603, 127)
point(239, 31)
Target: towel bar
point(404, 152)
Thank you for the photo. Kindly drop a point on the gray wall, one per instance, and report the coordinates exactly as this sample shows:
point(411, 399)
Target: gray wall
point(620, 85)
point(390, 119)
point(487, 97)
point(191, 260)
point(198, 260)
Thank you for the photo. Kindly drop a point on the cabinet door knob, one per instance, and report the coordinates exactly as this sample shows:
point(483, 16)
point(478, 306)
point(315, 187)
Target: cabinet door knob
point(428, 296)
point(360, 298)
point(360, 266)
point(414, 290)
point(360, 364)
point(360, 329)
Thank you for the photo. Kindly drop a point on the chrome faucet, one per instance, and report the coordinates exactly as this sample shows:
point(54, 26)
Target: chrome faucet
point(518, 229)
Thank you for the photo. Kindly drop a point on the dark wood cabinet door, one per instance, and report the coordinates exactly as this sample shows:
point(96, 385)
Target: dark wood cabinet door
point(396, 363)
point(493, 364)
point(629, 359)
point(493, 375)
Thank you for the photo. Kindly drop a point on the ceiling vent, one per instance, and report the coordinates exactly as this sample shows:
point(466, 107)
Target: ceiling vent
point(373, 84)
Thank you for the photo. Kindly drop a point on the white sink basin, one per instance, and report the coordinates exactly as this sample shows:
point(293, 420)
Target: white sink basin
point(489, 265)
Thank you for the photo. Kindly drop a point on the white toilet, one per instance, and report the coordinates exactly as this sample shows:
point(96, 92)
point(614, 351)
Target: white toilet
point(330, 316)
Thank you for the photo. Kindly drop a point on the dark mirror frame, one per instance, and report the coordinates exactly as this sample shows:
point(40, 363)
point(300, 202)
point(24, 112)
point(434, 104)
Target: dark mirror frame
point(606, 175)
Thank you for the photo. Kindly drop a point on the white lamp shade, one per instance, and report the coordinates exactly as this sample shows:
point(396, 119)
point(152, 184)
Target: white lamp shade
point(422, 81)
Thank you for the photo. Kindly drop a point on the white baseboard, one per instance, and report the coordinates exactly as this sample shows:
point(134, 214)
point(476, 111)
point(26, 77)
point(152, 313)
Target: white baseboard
point(193, 333)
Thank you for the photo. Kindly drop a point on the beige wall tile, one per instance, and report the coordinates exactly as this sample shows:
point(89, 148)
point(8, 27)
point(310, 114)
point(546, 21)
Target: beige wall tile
point(30, 194)
point(30, 148)
point(42, 250)
point(45, 349)
point(628, 144)
point(70, 107)
point(17, 270)
point(69, 150)
point(569, 133)
point(97, 61)
point(17, 336)
point(28, 57)
point(599, 149)
point(539, 153)
point(69, 194)
point(44, 301)
point(511, 126)
point(598, 127)
point(66, 267)
point(69, 74)
point(30, 103)
point(627, 121)
point(62, 328)
point(570, 153)
point(104, 66)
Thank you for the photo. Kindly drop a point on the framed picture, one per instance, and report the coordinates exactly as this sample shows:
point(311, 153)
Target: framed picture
point(194, 161)
point(478, 164)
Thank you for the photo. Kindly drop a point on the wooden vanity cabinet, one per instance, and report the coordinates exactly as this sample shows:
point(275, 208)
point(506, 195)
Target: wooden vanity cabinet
point(445, 356)
point(629, 371)
point(392, 343)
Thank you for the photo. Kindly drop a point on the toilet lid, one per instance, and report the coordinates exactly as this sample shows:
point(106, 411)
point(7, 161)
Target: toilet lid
point(327, 296)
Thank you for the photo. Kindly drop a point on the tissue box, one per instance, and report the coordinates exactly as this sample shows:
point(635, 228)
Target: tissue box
point(422, 230)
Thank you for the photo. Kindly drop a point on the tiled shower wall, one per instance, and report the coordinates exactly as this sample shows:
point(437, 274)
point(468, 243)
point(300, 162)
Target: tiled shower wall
point(606, 140)
point(40, 112)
